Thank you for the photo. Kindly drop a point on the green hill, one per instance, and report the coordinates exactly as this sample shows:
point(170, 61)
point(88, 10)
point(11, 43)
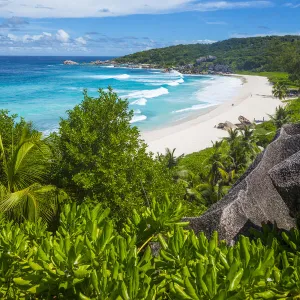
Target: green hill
point(271, 53)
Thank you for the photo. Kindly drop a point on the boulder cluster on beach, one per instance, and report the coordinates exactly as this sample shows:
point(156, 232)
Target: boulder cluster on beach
point(228, 125)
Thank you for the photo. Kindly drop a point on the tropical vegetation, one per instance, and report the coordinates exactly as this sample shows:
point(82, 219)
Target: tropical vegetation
point(87, 213)
point(256, 54)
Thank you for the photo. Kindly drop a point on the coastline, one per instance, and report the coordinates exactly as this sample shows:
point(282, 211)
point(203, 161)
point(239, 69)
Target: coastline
point(195, 133)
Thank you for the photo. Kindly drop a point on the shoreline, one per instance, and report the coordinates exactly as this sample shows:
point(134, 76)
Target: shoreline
point(254, 100)
point(195, 113)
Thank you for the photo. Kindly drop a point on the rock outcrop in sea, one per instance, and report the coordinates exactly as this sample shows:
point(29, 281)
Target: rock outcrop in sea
point(70, 62)
point(269, 191)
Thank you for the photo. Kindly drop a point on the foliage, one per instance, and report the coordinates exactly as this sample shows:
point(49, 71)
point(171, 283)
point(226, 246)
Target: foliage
point(280, 117)
point(149, 254)
point(100, 157)
point(87, 259)
point(197, 162)
point(208, 174)
point(11, 132)
point(169, 159)
point(293, 109)
point(24, 170)
point(280, 90)
point(265, 133)
point(270, 53)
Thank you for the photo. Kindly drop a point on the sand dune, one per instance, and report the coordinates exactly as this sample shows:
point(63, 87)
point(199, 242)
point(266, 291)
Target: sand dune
point(254, 100)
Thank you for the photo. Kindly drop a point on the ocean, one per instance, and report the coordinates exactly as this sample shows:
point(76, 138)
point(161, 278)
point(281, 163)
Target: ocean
point(42, 89)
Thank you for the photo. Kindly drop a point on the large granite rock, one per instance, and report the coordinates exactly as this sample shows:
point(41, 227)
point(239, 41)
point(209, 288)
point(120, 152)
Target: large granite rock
point(268, 191)
point(208, 58)
point(218, 68)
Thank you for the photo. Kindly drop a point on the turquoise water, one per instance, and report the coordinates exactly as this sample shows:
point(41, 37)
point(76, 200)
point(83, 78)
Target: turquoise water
point(42, 89)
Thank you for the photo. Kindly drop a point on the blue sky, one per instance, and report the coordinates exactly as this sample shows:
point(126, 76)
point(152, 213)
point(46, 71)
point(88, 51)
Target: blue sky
point(118, 27)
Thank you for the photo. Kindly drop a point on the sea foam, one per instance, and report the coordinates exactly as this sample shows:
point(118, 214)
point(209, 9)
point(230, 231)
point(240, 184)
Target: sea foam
point(194, 107)
point(148, 93)
point(103, 77)
point(216, 91)
point(138, 118)
point(141, 101)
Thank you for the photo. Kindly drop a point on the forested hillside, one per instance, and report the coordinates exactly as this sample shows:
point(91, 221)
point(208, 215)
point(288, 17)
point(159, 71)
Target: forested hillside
point(271, 53)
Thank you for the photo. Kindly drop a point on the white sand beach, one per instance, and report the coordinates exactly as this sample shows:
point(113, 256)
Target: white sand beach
point(253, 101)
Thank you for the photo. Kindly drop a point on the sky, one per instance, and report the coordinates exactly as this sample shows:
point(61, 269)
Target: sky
point(119, 27)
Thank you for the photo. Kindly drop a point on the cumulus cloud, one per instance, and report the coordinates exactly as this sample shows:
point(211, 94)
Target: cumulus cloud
point(62, 36)
point(44, 42)
point(12, 37)
point(104, 8)
point(81, 40)
point(45, 37)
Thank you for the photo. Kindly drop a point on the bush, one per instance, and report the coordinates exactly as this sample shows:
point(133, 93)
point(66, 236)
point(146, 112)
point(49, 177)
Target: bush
point(100, 157)
point(88, 259)
point(265, 133)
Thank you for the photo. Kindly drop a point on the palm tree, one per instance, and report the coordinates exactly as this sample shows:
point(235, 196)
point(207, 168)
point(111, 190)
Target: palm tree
point(169, 158)
point(215, 162)
point(280, 90)
point(22, 193)
point(280, 118)
point(248, 140)
point(232, 135)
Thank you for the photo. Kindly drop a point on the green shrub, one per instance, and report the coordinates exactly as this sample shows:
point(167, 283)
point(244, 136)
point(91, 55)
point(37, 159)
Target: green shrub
point(265, 133)
point(88, 259)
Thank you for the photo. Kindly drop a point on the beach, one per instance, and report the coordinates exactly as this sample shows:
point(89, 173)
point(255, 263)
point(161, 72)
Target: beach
point(253, 101)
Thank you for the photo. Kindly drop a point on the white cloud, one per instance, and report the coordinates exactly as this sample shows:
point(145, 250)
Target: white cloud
point(221, 5)
point(12, 37)
point(292, 5)
point(246, 35)
point(81, 40)
point(62, 36)
point(27, 38)
point(216, 23)
point(59, 41)
point(205, 41)
point(104, 8)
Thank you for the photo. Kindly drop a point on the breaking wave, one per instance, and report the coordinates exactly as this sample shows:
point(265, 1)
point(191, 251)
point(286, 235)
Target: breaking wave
point(194, 107)
point(141, 101)
point(103, 77)
point(138, 118)
point(148, 93)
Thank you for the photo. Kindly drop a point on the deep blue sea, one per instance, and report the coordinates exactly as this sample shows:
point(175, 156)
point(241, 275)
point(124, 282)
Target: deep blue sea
point(42, 89)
